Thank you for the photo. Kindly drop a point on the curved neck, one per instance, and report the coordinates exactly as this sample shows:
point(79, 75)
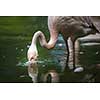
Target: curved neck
point(42, 39)
point(34, 39)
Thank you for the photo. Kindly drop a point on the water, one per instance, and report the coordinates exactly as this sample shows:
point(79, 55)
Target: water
point(15, 39)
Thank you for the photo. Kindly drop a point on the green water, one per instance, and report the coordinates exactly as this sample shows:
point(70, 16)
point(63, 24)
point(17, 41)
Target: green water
point(15, 37)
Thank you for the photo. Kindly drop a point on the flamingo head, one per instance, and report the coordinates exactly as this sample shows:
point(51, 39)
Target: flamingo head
point(32, 54)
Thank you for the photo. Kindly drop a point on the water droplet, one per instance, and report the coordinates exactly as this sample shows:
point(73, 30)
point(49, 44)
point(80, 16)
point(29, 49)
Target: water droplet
point(4, 56)
point(43, 65)
point(16, 48)
point(22, 50)
point(81, 53)
point(28, 46)
point(97, 53)
point(60, 44)
point(22, 76)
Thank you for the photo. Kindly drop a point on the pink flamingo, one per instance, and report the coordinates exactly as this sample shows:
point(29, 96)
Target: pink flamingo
point(69, 26)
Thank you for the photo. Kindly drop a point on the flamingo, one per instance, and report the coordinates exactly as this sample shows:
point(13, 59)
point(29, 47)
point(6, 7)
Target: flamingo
point(71, 27)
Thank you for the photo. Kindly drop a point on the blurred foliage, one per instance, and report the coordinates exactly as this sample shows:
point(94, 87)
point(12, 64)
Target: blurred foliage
point(22, 25)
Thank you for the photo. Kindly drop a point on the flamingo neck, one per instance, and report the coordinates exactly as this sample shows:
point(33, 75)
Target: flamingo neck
point(52, 41)
point(33, 44)
point(34, 39)
point(42, 40)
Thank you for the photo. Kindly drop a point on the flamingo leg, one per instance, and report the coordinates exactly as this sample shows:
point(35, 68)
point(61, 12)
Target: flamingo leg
point(73, 51)
point(73, 54)
point(75, 59)
point(67, 47)
point(70, 46)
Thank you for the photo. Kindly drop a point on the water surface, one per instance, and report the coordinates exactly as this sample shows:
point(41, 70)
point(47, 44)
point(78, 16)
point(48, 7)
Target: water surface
point(15, 38)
